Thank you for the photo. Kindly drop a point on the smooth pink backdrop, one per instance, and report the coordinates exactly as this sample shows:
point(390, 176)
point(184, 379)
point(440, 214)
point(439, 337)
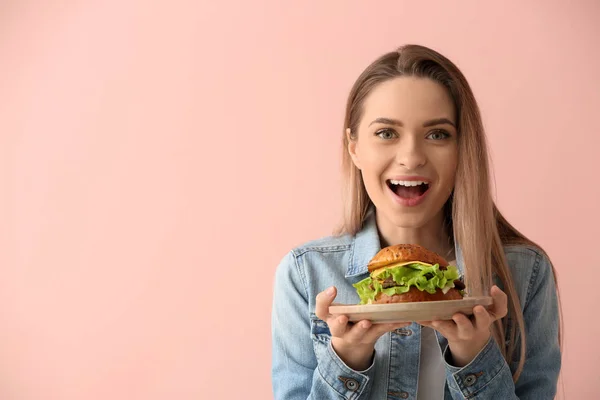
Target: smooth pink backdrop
point(159, 158)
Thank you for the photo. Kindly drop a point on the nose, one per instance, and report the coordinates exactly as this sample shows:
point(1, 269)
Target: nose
point(410, 154)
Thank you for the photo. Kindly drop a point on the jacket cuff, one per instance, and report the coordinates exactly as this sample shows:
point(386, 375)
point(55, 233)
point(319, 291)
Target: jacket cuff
point(475, 376)
point(347, 382)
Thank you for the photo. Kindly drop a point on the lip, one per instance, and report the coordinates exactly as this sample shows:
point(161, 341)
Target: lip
point(415, 201)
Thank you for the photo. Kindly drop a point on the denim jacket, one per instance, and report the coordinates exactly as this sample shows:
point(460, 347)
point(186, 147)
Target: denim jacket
point(305, 366)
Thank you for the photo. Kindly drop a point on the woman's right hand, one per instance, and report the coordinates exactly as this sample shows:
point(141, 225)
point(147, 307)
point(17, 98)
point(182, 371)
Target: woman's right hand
point(354, 343)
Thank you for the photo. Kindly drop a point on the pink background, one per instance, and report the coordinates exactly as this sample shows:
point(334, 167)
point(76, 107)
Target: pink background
point(157, 161)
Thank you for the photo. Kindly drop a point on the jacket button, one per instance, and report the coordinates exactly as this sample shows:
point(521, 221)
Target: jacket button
point(403, 332)
point(350, 384)
point(470, 380)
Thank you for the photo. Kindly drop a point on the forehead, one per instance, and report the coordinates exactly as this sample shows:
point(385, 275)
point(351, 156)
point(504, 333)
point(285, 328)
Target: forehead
point(409, 99)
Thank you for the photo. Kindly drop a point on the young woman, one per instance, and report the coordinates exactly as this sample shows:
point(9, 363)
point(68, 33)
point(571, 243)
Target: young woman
point(416, 168)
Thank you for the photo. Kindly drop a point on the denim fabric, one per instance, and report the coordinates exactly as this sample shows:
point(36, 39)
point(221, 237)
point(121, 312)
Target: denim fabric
point(305, 366)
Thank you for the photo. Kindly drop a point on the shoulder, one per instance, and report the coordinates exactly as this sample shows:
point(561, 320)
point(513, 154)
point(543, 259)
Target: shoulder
point(325, 249)
point(320, 246)
point(326, 244)
point(531, 269)
point(526, 258)
point(523, 253)
point(318, 262)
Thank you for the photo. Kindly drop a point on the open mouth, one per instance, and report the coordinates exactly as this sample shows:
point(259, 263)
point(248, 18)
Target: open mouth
point(408, 189)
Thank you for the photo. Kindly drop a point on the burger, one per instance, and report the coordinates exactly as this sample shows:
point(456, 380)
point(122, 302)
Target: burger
point(409, 273)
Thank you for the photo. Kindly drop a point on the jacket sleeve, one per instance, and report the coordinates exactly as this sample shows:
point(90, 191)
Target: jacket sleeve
point(304, 364)
point(488, 376)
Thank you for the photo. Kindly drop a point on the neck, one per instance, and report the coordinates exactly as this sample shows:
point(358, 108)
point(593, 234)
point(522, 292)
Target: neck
point(432, 236)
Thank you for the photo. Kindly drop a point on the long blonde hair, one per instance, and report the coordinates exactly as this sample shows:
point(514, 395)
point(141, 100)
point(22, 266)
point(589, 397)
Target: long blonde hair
point(472, 218)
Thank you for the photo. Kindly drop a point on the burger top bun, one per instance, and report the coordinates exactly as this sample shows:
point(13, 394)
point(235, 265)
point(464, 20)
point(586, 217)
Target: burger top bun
point(405, 252)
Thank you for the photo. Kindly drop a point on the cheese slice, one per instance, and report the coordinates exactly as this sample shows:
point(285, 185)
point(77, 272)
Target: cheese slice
point(400, 264)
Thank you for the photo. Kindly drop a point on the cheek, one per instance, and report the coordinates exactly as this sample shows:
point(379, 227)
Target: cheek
point(450, 170)
point(372, 160)
point(446, 167)
point(372, 168)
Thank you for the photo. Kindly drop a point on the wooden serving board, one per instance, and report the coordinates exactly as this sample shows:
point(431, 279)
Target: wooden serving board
point(409, 312)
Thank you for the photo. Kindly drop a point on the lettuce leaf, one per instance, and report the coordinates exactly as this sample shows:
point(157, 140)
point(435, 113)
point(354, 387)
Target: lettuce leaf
point(408, 275)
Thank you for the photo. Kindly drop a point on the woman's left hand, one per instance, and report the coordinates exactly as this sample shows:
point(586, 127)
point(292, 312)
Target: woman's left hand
point(466, 338)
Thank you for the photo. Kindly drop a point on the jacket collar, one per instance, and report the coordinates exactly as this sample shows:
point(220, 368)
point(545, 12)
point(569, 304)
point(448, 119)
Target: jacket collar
point(364, 247)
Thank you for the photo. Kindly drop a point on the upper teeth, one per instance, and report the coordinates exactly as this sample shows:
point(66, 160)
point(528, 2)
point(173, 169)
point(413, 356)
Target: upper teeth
point(407, 183)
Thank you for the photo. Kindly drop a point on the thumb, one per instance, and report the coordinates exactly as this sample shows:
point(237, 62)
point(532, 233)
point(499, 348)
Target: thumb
point(324, 300)
point(499, 308)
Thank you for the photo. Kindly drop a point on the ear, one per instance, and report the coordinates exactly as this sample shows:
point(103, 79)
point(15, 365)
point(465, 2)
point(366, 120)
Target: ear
point(352, 148)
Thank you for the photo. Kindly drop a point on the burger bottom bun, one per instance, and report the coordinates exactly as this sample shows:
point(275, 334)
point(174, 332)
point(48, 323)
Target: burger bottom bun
point(416, 295)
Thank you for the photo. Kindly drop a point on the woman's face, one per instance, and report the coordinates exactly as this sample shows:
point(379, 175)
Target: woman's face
point(406, 149)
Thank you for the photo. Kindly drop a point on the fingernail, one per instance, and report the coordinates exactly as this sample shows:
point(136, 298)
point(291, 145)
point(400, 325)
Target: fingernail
point(330, 291)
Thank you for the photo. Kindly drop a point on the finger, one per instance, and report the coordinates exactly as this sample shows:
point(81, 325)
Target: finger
point(464, 326)
point(500, 306)
point(424, 323)
point(338, 325)
point(323, 301)
point(483, 319)
point(383, 328)
point(366, 332)
point(378, 330)
point(446, 328)
point(356, 333)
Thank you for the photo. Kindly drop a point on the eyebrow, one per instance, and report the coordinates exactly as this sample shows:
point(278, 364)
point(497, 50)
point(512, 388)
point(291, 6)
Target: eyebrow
point(426, 124)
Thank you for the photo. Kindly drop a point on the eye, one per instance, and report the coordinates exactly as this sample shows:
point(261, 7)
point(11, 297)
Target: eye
point(386, 134)
point(438, 135)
